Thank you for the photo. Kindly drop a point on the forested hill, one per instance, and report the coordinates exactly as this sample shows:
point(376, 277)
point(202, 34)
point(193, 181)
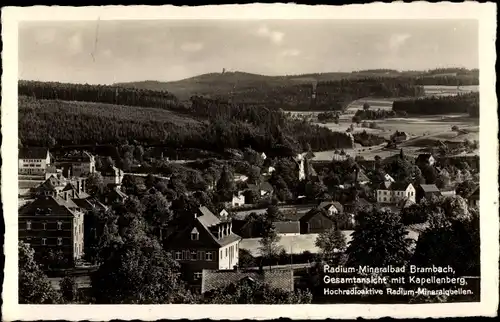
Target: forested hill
point(224, 84)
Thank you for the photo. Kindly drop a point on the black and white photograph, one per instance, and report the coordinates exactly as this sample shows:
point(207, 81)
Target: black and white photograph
point(253, 161)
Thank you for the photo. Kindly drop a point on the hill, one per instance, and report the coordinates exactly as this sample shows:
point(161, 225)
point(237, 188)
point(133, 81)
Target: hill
point(223, 84)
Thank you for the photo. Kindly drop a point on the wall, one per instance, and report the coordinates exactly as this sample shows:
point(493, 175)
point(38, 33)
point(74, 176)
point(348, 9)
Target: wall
point(229, 261)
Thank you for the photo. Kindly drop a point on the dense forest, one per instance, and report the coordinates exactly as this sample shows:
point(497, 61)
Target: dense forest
point(329, 95)
point(54, 123)
point(462, 103)
point(98, 93)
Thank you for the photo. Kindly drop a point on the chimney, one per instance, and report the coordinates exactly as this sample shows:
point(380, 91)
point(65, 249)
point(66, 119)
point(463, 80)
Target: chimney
point(84, 189)
point(230, 227)
point(66, 195)
point(220, 234)
point(78, 186)
point(195, 215)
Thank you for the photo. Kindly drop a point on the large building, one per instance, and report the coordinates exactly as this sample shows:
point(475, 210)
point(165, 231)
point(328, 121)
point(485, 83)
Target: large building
point(53, 224)
point(112, 176)
point(205, 243)
point(34, 161)
point(394, 192)
point(77, 164)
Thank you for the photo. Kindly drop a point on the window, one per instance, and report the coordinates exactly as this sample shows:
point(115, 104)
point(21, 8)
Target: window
point(193, 255)
point(59, 225)
point(209, 256)
point(59, 241)
point(44, 226)
point(194, 234)
point(44, 241)
point(201, 255)
point(28, 225)
point(221, 254)
point(385, 199)
point(226, 252)
point(198, 275)
point(178, 256)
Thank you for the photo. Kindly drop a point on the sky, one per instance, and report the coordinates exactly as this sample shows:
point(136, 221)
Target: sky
point(106, 52)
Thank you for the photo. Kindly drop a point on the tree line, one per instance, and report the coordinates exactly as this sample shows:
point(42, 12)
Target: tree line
point(98, 93)
point(461, 103)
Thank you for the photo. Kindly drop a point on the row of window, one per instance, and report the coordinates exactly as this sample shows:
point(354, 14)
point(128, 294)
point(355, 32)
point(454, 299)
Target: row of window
point(44, 241)
point(397, 193)
point(231, 250)
point(194, 255)
point(32, 160)
point(78, 229)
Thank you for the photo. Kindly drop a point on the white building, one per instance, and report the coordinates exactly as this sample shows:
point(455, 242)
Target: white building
point(238, 200)
point(34, 161)
point(112, 176)
point(393, 193)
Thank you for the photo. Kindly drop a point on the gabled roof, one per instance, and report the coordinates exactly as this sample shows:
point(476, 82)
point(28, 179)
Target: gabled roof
point(287, 227)
point(325, 204)
point(339, 206)
point(57, 206)
point(429, 188)
point(33, 153)
point(394, 186)
point(314, 212)
point(278, 278)
point(207, 218)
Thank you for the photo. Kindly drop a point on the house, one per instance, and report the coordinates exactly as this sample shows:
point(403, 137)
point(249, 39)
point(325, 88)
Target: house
point(287, 228)
point(52, 224)
point(427, 191)
point(331, 207)
point(238, 199)
point(112, 176)
point(361, 178)
point(34, 160)
point(76, 163)
point(393, 192)
point(223, 214)
point(360, 203)
point(115, 195)
point(424, 159)
point(473, 198)
point(263, 156)
point(263, 189)
point(315, 221)
point(205, 243)
point(278, 279)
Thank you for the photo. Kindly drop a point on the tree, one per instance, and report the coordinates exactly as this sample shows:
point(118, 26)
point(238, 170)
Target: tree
point(269, 247)
point(225, 185)
point(247, 291)
point(465, 188)
point(254, 174)
point(95, 183)
point(69, 289)
point(366, 106)
point(157, 212)
point(139, 272)
point(378, 240)
point(332, 243)
point(34, 286)
point(429, 173)
point(273, 213)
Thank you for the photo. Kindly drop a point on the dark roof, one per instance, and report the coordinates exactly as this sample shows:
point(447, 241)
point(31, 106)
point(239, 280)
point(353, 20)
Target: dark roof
point(429, 188)
point(362, 176)
point(33, 153)
point(287, 227)
point(57, 206)
point(278, 278)
point(395, 186)
point(338, 205)
point(313, 212)
point(325, 204)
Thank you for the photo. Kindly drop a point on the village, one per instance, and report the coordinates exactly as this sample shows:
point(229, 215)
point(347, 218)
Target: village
point(59, 197)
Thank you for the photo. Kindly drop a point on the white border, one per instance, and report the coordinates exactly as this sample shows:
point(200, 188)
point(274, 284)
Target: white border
point(485, 13)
